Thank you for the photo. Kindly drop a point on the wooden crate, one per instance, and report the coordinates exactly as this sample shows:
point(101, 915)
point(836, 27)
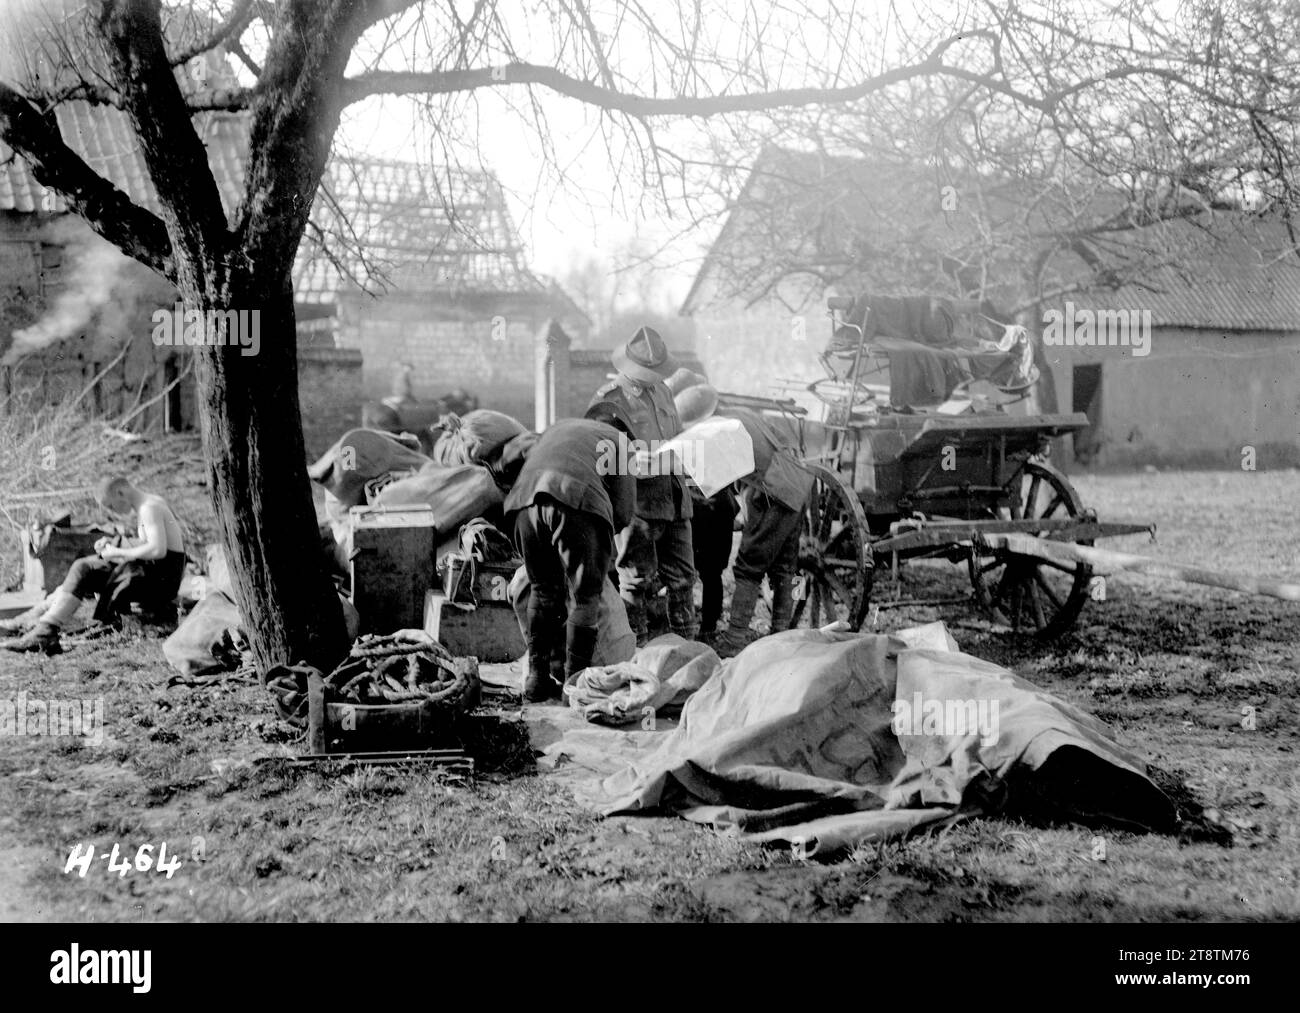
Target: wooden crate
point(393, 553)
point(58, 548)
point(492, 581)
point(489, 632)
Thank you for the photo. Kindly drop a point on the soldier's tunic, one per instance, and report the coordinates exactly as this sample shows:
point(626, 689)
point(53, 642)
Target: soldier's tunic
point(776, 492)
point(564, 514)
point(658, 541)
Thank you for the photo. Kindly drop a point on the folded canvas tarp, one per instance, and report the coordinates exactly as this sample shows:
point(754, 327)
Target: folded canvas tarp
point(823, 739)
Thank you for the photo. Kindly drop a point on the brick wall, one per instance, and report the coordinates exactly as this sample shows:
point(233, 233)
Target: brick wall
point(590, 369)
point(330, 395)
point(484, 344)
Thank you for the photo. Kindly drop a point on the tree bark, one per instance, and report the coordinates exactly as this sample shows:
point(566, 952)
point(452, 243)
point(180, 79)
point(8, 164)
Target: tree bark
point(257, 466)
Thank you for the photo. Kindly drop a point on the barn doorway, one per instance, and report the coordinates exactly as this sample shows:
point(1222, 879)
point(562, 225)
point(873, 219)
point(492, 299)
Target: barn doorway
point(1086, 398)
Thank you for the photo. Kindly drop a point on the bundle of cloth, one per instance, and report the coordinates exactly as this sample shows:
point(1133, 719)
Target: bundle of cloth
point(661, 679)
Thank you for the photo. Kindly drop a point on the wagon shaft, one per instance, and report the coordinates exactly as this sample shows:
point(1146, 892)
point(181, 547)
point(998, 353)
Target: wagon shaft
point(1105, 561)
point(936, 533)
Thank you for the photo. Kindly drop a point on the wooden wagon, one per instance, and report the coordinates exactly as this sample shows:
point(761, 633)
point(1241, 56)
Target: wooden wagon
point(968, 482)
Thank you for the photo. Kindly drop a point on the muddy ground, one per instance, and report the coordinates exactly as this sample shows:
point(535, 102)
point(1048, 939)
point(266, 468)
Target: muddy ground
point(1175, 671)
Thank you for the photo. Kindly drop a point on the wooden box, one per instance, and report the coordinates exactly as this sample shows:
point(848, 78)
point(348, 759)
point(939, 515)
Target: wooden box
point(57, 548)
point(392, 564)
point(489, 632)
point(492, 581)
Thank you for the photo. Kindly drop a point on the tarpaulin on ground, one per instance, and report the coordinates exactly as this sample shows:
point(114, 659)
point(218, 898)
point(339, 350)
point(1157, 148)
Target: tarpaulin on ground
point(832, 739)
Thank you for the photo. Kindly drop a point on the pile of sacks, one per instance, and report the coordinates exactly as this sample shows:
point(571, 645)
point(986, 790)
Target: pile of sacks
point(368, 467)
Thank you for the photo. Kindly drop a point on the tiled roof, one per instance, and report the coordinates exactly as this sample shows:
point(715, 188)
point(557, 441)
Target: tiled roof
point(402, 225)
point(102, 135)
point(1235, 271)
point(1239, 274)
point(105, 139)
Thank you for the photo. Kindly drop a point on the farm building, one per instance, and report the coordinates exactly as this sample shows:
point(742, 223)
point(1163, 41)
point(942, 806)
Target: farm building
point(449, 294)
point(72, 307)
point(425, 267)
point(402, 264)
point(1217, 380)
point(1221, 297)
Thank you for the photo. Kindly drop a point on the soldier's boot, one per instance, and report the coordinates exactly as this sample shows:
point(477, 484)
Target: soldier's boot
point(744, 599)
point(636, 618)
point(581, 648)
point(25, 621)
point(658, 615)
point(537, 677)
point(539, 683)
point(709, 616)
point(682, 617)
point(44, 637)
point(782, 602)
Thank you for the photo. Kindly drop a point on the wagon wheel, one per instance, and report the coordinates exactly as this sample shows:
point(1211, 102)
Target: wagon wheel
point(835, 562)
point(1026, 593)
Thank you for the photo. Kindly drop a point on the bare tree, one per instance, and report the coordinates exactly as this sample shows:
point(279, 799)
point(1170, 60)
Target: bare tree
point(1155, 142)
point(306, 61)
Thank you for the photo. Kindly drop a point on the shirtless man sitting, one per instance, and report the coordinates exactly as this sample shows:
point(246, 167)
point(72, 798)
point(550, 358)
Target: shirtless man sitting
point(148, 574)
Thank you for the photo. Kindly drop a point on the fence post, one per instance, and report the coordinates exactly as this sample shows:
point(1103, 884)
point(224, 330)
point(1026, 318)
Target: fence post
point(551, 373)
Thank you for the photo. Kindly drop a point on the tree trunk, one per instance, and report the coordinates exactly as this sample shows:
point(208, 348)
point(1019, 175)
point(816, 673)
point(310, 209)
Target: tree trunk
point(252, 437)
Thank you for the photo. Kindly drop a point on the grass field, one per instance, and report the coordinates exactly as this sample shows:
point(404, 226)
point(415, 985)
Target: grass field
point(1170, 668)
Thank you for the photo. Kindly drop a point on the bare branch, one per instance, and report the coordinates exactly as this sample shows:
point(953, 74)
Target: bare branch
point(229, 30)
point(35, 135)
point(174, 155)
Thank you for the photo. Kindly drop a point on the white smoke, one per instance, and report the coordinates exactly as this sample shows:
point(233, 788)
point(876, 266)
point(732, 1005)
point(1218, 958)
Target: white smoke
point(89, 277)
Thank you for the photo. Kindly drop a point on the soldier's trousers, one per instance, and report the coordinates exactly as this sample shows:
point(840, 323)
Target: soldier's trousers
point(566, 554)
point(769, 544)
point(712, 526)
point(662, 548)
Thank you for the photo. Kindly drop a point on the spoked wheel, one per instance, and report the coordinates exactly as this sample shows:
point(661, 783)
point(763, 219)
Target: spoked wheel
point(835, 563)
point(1031, 595)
